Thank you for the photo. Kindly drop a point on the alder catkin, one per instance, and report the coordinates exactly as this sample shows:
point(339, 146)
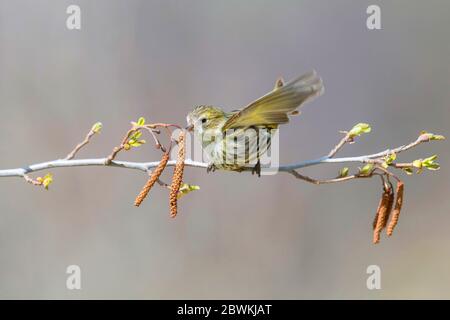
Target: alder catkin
point(375, 220)
point(382, 214)
point(177, 178)
point(153, 178)
point(397, 208)
point(389, 206)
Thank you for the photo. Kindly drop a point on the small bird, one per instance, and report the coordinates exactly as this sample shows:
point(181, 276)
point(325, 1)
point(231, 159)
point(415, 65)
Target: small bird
point(236, 140)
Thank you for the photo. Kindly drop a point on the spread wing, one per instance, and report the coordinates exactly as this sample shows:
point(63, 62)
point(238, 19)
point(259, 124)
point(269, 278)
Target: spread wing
point(274, 107)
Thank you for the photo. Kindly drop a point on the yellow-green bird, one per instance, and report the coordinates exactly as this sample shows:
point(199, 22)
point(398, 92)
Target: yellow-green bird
point(236, 140)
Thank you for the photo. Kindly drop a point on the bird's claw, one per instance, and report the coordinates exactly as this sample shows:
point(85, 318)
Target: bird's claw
point(210, 167)
point(257, 169)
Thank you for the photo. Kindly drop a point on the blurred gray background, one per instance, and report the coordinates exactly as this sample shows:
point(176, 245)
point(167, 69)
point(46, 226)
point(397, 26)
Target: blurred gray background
point(239, 236)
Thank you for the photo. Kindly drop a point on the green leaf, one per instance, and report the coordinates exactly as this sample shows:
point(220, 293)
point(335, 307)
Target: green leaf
point(186, 188)
point(343, 172)
point(97, 127)
point(390, 158)
point(433, 166)
point(136, 143)
point(430, 164)
point(437, 137)
point(47, 180)
point(430, 159)
point(367, 169)
point(134, 139)
point(432, 136)
point(136, 135)
point(141, 121)
point(408, 171)
point(359, 129)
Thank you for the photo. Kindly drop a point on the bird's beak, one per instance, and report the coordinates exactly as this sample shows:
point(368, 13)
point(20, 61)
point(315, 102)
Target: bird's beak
point(190, 127)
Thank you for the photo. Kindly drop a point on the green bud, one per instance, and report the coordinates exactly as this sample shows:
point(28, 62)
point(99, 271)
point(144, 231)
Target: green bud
point(408, 170)
point(186, 188)
point(437, 137)
point(390, 158)
point(343, 172)
point(359, 129)
point(430, 159)
point(417, 163)
point(141, 121)
point(367, 169)
point(47, 180)
point(97, 127)
point(427, 136)
point(430, 164)
point(136, 135)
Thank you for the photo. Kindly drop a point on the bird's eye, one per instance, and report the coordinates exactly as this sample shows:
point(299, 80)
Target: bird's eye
point(204, 120)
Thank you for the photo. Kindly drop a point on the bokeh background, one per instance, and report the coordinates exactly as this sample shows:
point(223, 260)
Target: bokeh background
point(239, 236)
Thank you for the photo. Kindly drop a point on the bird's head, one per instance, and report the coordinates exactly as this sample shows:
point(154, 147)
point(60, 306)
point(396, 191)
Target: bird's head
point(205, 118)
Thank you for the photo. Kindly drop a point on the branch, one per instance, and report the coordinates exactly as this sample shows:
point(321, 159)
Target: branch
point(289, 168)
point(95, 129)
point(97, 162)
point(145, 166)
point(375, 164)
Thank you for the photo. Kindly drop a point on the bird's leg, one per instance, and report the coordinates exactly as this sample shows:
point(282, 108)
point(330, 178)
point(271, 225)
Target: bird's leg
point(211, 167)
point(257, 169)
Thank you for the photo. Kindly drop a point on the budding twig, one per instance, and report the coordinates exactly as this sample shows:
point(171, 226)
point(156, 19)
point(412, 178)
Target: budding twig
point(341, 143)
point(116, 150)
point(95, 129)
point(31, 180)
point(374, 164)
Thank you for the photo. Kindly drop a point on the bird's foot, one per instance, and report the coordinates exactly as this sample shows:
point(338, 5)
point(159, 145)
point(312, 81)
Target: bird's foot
point(257, 169)
point(211, 168)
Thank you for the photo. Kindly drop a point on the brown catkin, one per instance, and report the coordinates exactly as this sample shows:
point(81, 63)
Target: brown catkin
point(382, 214)
point(177, 178)
point(153, 178)
point(375, 220)
point(397, 208)
point(388, 208)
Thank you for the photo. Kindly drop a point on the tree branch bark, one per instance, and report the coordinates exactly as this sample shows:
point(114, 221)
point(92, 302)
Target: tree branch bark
point(146, 166)
point(375, 164)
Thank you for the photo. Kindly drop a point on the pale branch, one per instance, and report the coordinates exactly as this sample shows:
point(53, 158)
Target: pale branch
point(344, 140)
point(95, 129)
point(375, 164)
point(146, 166)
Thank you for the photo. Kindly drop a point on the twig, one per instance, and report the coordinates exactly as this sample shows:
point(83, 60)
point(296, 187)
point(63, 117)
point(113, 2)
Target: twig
point(31, 180)
point(95, 129)
point(145, 166)
point(341, 143)
point(325, 181)
point(375, 164)
point(116, 150)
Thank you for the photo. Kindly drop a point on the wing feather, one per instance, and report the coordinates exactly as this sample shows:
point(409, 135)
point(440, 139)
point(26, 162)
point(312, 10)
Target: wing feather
point(274, 107)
